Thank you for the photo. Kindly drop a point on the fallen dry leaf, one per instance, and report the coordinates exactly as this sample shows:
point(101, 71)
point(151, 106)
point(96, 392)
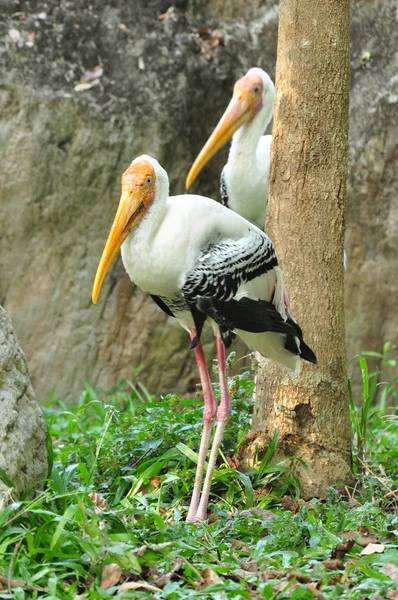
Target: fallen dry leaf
point(271, 574)
point(288, 504)
point(392, 595)
point(30, 39)
point(301, 577)
point(261, 493)
point(333, 565)
point(13, 583)
point(209, 577)
point(391, 570)
point(94, 73)
point(341, 549)
point(110, 575)
point(169, 15)
point(83, 87)
point(140, 550)
point(315, 592)
point(207, 39)
point(362, 540)
point(212, 518)
point(217, 38)
point(165, 578)
point(373, 549)
point(232, 461)
point(16, 583)
point(15, 35)
point(135, 585)
point(156, 481)
point(98, 500)
point(349, 534)
point(266, 515)
point(281, 587)
point(250, 565)
point(239, 544)
point(211, 35)
point(241, 574)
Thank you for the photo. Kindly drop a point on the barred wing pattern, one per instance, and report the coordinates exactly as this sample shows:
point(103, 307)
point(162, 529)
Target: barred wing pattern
point(222, 267)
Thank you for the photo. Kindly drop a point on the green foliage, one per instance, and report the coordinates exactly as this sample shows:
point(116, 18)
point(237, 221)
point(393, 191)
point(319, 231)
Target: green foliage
point(121, 473)
point(374, 425)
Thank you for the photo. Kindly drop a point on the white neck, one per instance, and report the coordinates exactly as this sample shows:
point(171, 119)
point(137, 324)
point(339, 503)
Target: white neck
point(245, 140)
point(142, 236)
point(247, 168)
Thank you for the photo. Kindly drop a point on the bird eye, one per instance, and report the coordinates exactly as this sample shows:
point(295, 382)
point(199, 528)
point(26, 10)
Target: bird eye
point(256, 89)
point(148, 180)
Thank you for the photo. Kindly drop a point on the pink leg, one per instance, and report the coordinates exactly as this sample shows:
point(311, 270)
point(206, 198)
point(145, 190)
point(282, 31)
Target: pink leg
point(209, 415)
point(223, 413)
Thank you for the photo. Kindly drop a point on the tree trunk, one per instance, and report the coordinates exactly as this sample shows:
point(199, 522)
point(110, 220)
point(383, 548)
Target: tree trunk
point(306, 221)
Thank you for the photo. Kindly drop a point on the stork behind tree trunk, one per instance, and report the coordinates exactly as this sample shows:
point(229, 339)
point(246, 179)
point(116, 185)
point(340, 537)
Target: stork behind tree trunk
point(244, 179)
point(201, 260)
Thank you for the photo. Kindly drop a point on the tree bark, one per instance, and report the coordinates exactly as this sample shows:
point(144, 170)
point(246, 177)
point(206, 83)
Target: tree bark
point(306, 221)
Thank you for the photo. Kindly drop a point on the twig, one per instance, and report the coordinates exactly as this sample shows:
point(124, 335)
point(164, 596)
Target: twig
point(191, 567)
point(383, 483)
point(13, 583)
point(14, 553)
point(141, 457)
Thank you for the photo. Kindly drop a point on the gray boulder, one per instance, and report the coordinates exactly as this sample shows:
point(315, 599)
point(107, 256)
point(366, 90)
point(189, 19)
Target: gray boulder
point(23, 453)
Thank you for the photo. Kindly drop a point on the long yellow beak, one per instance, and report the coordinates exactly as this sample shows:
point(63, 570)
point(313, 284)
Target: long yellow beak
point(130, 206)
point(237, 112)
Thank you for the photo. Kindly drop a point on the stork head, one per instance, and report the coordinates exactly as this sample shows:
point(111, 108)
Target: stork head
point(253, 94)
point(138, 193)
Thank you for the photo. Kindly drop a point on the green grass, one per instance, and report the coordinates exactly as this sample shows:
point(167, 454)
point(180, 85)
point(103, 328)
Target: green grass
point(122, 468)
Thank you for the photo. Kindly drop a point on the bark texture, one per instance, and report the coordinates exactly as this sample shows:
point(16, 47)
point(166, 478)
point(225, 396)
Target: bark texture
point(23, 452)
point(306, 220)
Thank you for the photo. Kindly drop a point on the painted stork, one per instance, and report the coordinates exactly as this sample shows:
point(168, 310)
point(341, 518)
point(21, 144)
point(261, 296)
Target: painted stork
point(244, 179)
point(200, 260)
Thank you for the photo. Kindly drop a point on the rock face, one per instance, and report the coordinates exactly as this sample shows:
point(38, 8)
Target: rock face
point(372, 217)
point(163, 88)
point(23, 454)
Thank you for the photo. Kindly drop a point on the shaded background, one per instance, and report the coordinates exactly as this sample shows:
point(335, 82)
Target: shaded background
point(164, 83)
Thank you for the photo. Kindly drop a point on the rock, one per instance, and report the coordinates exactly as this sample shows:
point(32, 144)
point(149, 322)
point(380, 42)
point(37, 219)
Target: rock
point(23, 453)
point(62, 152)
point(372, 217)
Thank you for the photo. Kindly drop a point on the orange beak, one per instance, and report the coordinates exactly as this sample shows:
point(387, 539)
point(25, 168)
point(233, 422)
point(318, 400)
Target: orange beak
point(242, 108)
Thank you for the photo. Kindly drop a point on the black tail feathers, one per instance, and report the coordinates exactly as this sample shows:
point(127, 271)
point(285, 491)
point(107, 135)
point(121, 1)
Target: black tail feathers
point(255, 316)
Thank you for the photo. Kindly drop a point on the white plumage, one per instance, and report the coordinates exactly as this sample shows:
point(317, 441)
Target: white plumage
point(201, 261)
point(244, 180)
point(246, 171)
point(170, 241)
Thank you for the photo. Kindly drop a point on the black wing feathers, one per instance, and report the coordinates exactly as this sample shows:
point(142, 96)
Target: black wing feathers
point(161, 305)
point(222, 267)
point(255, 316)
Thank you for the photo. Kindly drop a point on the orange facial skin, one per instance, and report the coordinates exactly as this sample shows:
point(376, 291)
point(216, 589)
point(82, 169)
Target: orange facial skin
point(246, 101)
point(138, 193)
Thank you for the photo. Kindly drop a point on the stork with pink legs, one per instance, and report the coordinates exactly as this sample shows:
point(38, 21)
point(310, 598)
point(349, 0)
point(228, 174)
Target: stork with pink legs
point(199, 261)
